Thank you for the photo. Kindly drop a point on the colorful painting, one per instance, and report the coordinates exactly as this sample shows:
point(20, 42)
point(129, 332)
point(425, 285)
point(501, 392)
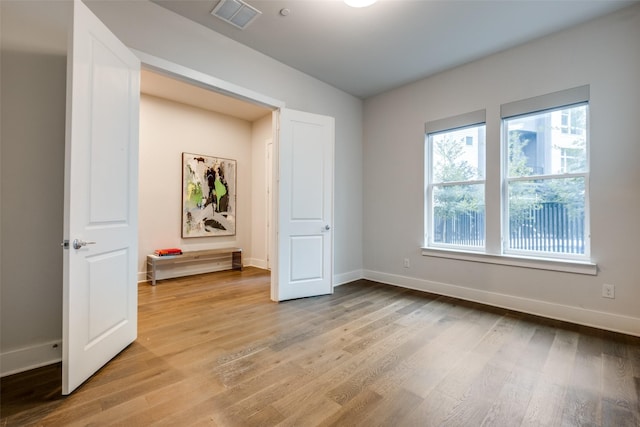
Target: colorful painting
point(208, 196)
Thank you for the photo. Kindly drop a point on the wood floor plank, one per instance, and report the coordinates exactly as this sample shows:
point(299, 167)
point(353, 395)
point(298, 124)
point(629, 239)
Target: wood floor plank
point(511, 404)
point(331, 374)
point(370, 372)
point(634, 355)
point(310, 415)
point(214, 350)
point(456, 381)
point(474, 396)
point(392, 409)
point(243, 409)
point(582, 405)
point(162, 403)
point(618, 389)
point(545, 406)
point(431, 412)
point(354, 411)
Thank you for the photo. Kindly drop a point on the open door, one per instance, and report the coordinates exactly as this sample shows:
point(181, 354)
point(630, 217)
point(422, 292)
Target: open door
point(101, 199)
point(305, 206)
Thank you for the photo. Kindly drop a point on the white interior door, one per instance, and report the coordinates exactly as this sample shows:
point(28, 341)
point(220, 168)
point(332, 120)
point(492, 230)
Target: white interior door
point(101, 192)
point(305, 206)
point(269, 201)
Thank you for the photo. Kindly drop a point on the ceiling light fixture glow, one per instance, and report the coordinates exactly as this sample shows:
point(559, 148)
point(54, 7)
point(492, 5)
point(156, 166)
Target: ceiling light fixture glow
point(359, 3)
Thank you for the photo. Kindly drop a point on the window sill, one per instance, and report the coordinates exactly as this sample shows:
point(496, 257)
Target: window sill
point(577, 267)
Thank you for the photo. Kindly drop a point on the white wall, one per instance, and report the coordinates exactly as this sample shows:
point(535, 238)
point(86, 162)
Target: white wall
point(604, 54)
point(262, 130)
point(167, 129)
point(33, 59)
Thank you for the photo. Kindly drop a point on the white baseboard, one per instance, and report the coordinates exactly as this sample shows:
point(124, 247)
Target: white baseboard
point(254, 262)
point(338, 279)
point(598, 319)
point(142, 276)
point(342, 278)
point(24, 359)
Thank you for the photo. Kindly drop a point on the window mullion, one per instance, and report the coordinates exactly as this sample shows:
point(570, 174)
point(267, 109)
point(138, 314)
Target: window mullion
point(456, 183)
point(546, 177)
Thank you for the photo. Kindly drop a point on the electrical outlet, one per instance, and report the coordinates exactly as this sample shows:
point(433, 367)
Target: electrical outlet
point(608, 291)
point(407, 264)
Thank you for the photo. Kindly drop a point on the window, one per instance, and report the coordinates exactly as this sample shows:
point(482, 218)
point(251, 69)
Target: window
point(537, 207)
point(546, 180)
point(455, 182)
point(572, 122)
point(571, 159)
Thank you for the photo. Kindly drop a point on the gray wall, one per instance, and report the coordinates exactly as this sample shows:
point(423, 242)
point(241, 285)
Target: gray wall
point(604, 54)
point(33, 79)
point(33, 123)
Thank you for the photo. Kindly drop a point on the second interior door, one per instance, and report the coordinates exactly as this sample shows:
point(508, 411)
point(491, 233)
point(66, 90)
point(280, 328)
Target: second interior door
point(305, 206)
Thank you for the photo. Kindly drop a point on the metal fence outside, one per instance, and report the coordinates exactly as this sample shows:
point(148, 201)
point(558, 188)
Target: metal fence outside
point(550, 227)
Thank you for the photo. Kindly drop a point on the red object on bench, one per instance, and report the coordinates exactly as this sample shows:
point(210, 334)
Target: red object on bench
point(170, 251)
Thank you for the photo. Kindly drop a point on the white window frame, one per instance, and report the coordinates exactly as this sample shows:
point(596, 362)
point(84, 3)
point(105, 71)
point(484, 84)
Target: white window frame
point(550, 102)
point(449, 124)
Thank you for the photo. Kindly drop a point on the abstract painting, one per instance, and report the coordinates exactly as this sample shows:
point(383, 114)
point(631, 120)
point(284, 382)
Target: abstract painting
point(208, 196)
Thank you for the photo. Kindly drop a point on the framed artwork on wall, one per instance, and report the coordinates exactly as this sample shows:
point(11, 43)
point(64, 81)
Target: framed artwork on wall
point(208, 196)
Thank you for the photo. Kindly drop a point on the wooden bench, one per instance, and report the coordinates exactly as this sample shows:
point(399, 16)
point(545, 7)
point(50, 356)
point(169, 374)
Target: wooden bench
point(164, 264)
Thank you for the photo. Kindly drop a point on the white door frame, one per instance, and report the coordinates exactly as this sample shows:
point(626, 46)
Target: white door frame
point(206, 81)
point(268, 147)
point(214, 84)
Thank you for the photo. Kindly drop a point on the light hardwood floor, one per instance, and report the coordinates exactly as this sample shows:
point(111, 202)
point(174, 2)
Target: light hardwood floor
point(213, 350)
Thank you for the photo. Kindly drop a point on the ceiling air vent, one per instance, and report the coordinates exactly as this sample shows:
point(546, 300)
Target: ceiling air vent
point(236, 13)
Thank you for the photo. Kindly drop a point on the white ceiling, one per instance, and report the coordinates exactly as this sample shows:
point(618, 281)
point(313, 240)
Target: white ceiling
point(368, 51)
point(161, 86)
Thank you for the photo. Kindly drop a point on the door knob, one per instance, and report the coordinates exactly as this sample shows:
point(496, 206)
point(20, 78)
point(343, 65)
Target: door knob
point(77, 243)
point(327, 227)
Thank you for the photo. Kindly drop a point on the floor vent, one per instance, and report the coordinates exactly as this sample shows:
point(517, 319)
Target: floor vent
point(236, 12)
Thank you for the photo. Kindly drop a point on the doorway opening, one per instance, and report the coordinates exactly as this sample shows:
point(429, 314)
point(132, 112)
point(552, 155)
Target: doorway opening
point(178, 115)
